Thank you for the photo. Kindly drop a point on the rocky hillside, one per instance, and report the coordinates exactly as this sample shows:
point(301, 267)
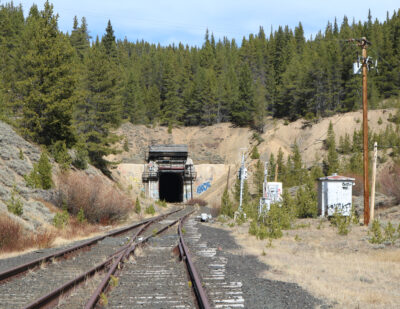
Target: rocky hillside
point(17, 157)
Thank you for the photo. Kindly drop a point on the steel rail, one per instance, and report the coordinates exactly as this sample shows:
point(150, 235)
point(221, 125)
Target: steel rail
point(34, 263)
point(52, 296)
point(104, 283)
point(201, 295)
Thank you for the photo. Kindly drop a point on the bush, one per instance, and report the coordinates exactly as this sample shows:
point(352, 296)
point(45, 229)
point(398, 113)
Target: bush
point(81, 216)
point(196, 201)
point(255, 154)
point(40, 177)
point(81, 157)
point(150, 210)
point(61, 219)
point(226, 204)
point(126, 145)
point(376, 233)
point(10, 234)
point(101, 201)
point(341, 222)
point(60, 154)
point(390, 233)
point(14, 238)
point(306, 201)
point(14, 204)
point(138, 208)
point(258, 138)
point(161, 203)
point(253, 228)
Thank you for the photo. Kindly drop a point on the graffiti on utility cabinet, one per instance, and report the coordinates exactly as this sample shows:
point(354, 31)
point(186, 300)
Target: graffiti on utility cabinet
point(203, 187)
point(340, 208)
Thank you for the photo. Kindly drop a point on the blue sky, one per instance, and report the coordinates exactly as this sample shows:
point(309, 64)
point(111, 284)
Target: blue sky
point(174, 21)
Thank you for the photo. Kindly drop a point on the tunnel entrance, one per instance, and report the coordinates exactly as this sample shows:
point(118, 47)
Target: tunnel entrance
point(171, 187)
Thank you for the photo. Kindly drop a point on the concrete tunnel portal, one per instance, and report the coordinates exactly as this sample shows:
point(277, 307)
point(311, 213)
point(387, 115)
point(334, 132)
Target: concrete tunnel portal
point(169, 173)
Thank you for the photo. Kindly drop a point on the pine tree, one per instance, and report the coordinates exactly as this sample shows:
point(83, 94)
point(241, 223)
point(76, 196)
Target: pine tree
point(243, 108)
point(108, 41)
point(259, 178)
point(226, 204)
point(80, 38)
point(47, 84)
point(100, 109)
point(331, 163)
point(260, 107)
point(133, 101)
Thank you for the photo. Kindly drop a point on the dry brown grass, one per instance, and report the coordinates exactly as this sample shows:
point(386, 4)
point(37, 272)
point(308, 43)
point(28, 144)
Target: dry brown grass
point(100, 201)
point(14, 238)
point(345, 271)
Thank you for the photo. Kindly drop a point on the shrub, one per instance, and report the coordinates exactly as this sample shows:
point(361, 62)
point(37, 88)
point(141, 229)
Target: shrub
point(390, 233)
point(10, 234)
point(253, 228)
point(226, 204)
point(21, 154)
point(60, 154)
point(126, 145)
point(81, 216)
point(376, 233)
point(161, 203)
point(341, 222)
point(101, 201)
point(306, 202)
point(255, 154)
point(150, 210)
point(61, 219)
point(257, 137)
point(14, 204)
point(81, 156)
point(196, 201)
point(138, 208)
point(14, 238)
point(40, 176)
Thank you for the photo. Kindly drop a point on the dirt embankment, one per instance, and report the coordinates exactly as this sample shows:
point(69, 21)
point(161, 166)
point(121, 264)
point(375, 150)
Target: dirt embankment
point(222, 144)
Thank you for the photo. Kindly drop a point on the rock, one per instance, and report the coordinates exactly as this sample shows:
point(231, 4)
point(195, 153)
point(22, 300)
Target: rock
point(7, 176)
point(21, 167)
point(378, 246)
point(4, 193)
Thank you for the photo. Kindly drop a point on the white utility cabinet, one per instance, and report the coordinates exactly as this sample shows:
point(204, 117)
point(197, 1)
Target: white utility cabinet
point(335, 194)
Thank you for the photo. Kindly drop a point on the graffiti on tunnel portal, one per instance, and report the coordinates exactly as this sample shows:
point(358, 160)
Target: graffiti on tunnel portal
point(203, 187)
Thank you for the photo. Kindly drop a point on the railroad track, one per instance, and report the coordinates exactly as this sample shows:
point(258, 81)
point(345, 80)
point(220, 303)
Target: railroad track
point(66, 284)
point(222, 292)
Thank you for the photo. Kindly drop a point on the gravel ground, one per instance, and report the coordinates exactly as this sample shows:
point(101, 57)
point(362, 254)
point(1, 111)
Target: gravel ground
point(239, 283)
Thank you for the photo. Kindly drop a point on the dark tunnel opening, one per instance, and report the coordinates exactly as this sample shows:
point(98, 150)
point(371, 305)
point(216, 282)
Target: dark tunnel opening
point(171, 187)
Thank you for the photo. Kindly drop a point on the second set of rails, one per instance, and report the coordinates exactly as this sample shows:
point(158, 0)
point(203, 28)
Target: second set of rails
point(86, 275)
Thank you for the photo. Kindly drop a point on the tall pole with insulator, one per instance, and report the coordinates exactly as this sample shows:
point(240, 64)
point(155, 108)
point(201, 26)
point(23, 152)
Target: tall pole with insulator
point(364, 43)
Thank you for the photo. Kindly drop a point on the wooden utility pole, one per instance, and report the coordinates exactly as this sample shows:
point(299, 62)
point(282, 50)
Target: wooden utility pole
point(371, 217)
point(364, 43)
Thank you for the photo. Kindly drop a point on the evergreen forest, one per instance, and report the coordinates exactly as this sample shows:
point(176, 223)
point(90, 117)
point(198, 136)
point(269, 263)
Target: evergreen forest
point(69, 90)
